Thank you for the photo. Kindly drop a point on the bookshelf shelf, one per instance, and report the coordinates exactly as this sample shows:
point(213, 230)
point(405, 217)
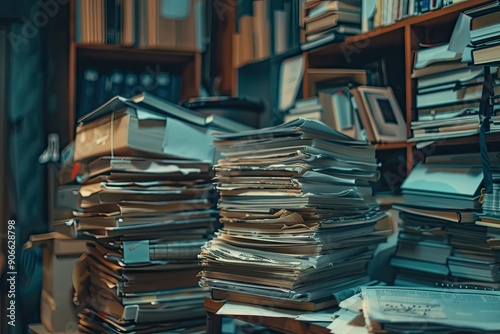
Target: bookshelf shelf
point(115, 52)
point(490, 137)
point(392, 35)
point(395, 145)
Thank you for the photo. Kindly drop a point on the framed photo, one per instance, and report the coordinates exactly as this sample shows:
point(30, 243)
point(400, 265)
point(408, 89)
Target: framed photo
point(384, 113)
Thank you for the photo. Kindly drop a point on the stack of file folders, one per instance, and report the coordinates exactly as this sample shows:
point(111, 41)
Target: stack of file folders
point(438, 240)
point(146, 209)
point(448, 94)
point(298, 216)
point(146, 220)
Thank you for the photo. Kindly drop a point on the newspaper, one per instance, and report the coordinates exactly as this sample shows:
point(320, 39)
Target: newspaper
point(455, 308)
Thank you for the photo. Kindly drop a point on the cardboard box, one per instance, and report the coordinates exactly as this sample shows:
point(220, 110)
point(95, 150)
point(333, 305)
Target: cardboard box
point(60, 253)
point(139, 133)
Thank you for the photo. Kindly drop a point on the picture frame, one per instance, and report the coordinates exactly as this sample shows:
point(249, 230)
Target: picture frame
point(384, 113)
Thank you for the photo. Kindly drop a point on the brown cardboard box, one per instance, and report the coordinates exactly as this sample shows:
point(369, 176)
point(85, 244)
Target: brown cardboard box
point(126, 135)
point(60, 253)
point(139, 133)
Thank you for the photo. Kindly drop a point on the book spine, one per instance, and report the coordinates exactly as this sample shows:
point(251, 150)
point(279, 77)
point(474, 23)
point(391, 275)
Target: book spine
point(110, 22)
point(424, 6)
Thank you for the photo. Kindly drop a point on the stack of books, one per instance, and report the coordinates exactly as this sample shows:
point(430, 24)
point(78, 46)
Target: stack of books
point(145, 209)
point(328, 21)
point(427, 310)
point(298, 216)
point(448, 94)
point(439, 241)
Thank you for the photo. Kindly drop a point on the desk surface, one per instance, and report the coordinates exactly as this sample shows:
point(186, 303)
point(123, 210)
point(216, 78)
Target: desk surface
point(282, 325)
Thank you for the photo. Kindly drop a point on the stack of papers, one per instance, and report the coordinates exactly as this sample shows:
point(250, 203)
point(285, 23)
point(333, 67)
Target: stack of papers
point(146, 220)
point(448, 94)
point(298, 214)
point(438, 240)
point(419, 310)
point(145, 204)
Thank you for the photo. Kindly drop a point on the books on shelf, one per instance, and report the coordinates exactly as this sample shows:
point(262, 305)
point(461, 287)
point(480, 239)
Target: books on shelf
point(331, 21)
point(97, 86)
point(264, 29)
point(149, 24)
point(449, 82)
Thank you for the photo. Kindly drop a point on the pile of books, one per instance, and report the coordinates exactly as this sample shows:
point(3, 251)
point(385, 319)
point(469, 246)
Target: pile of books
point(328, 21)
point(439, 242)
point(298, 216)
point(427, 310)
point(145, 204)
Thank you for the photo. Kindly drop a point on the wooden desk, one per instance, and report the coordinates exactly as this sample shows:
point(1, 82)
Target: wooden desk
point(282, 325)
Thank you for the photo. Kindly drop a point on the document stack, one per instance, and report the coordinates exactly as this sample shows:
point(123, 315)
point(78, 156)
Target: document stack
point(438, 241)
point(448, 94)
point(145, 207)
point(298, 216)
point(329, 21)
point(430, 310)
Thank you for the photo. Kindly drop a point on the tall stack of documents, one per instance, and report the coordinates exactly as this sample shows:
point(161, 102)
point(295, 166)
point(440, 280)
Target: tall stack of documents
point(428, 310)
point(448, 93)
point(298, 216)
point(146, 206)
point(438, 241)
point(147, 219)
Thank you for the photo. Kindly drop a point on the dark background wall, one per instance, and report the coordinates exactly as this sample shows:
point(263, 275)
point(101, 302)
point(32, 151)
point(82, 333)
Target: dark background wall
point(33, 59)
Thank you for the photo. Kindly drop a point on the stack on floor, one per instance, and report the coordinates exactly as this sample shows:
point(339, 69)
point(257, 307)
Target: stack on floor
point(147, 223)
point(298, 216)
point(145, 218)
point(439, 244)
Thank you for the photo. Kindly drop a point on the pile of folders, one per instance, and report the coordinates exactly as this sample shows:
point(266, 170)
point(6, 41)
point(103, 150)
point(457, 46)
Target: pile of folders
point(298, 216)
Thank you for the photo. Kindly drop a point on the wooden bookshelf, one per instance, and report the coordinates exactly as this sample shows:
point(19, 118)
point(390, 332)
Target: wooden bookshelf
point(185, 62)
point(397, 43)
